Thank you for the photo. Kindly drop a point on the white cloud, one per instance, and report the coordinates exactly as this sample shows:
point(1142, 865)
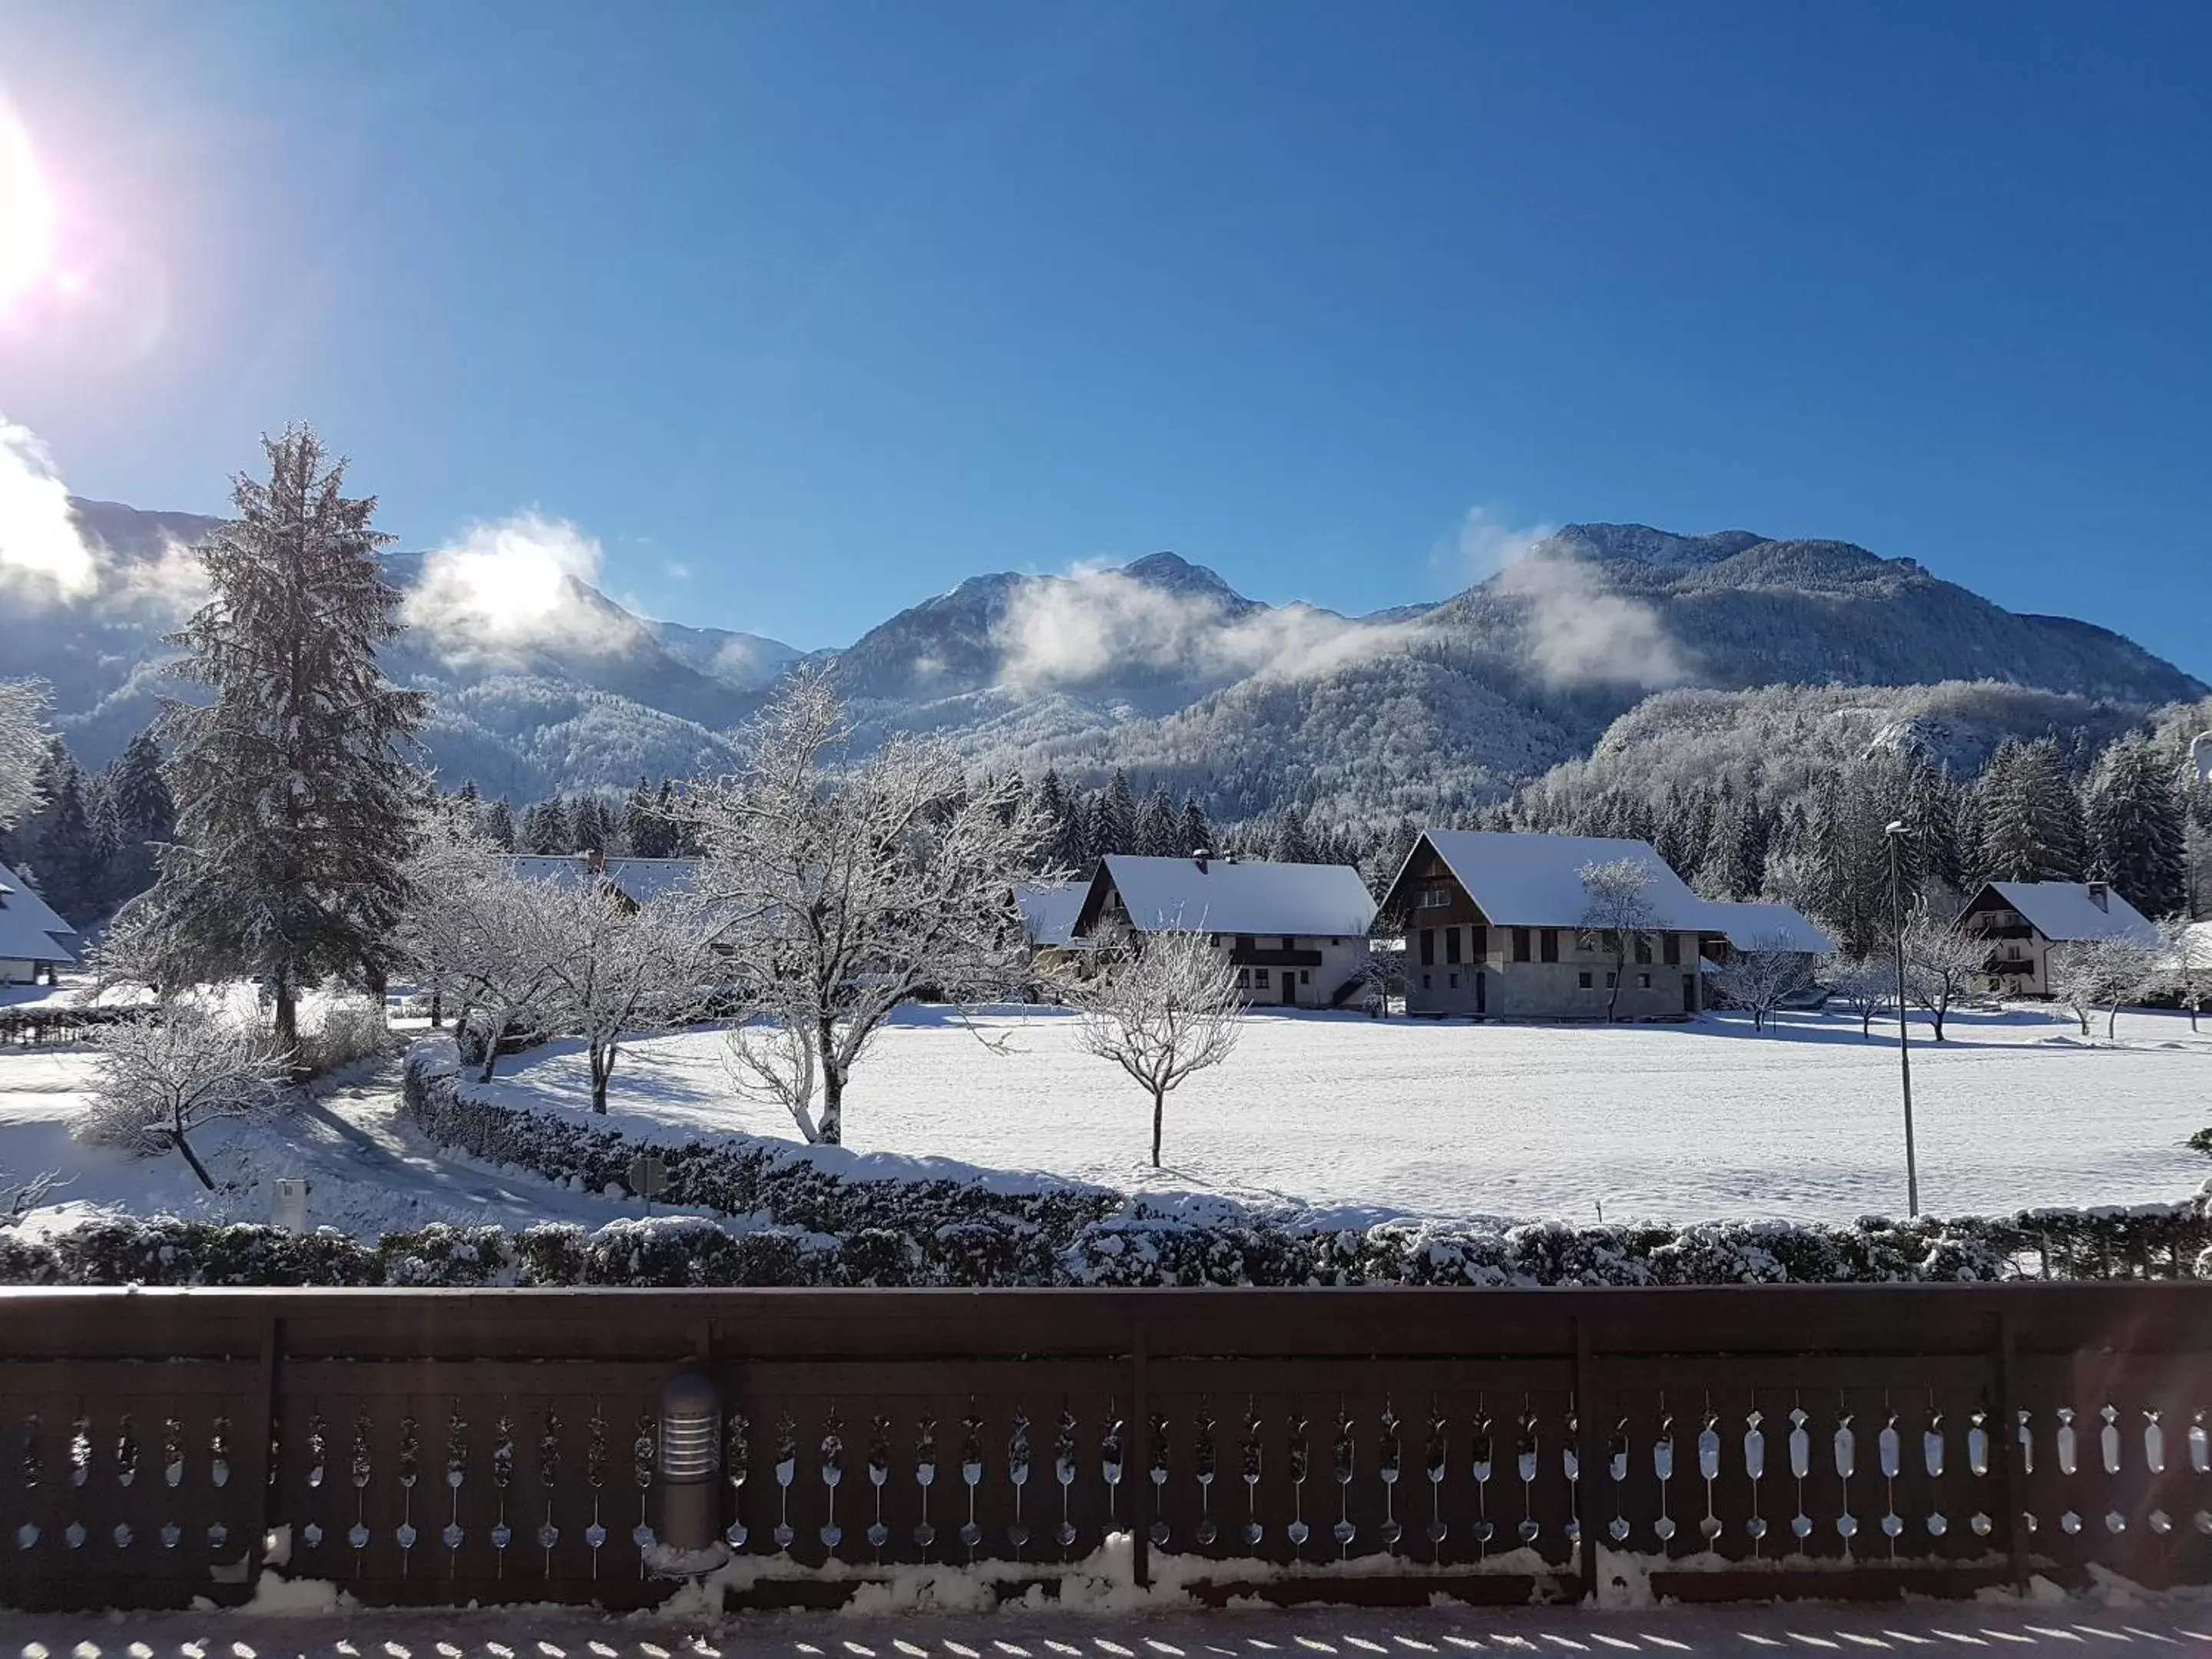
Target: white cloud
point(515, 583)
point(1580, 632)
point(1068, 631)
point(41, 550)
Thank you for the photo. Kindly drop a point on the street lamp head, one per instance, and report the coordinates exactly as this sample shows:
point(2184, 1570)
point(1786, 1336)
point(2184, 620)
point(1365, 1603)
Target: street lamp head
point(1896, 828)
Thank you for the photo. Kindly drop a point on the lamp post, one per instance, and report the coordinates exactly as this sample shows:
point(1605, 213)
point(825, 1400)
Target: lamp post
point(1895, 835)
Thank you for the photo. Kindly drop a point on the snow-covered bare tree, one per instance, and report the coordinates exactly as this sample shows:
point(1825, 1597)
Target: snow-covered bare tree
point(20, 1196)
point(1860, 985)
point(159, 1079)
point(1160, 1009)
point(2187, 948)
point(1940, 962)
point(1618, 906)
point(294, 792)
point(2089, 976)
point(1761, 979)
point(627, 969)
point(848, 886)
point(23, 746)
point(490, 939)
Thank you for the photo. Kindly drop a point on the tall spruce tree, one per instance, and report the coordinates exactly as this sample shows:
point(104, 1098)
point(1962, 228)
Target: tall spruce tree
point(296, 797)
point(61, 842)
point(1156, 825)
point(2029, 817)
point(1192, 831)
point(497, 824)
point(545, 828)
point(1114, 825)
point(143, 817)
point(2137, 834)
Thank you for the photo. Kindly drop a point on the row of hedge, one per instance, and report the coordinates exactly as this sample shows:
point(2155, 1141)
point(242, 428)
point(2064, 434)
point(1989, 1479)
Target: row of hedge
point(38, 1022)
point(784, 1220)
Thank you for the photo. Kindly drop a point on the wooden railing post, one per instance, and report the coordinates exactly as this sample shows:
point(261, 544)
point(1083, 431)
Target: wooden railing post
point(1140, 1441)
point(1589, 1453)
point(267, 1458)
point(2012, 1481)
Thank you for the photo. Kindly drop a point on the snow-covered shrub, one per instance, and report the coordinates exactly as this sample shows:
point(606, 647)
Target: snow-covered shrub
point(347, 1029)
point(160, 1079)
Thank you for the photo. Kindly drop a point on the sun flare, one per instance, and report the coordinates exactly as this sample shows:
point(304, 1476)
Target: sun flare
point(26, 215)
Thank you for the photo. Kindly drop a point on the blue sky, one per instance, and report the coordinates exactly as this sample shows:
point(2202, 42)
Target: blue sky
point(828, 306)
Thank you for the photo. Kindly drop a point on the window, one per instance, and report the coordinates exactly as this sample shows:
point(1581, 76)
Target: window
point(1550, 945)
point(1336, 941)
point(1643, 981)
point(1451, 944)
point(1520, 945)
point(1608, 979)
point(1644, 950)
point(1478, 938)
point(1428, 946)
point(1452, 980)
point(1425, 982)
point(1259, 977)
point(1289, 944)
point(1672, 950)
point(1213, 940)
point(1246, 942)
point(1584, 979)
point(1432, 898)
point(1243, 981)
point(1305, 975)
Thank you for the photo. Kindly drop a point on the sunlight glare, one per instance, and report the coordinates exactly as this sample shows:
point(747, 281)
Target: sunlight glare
point(27, 213)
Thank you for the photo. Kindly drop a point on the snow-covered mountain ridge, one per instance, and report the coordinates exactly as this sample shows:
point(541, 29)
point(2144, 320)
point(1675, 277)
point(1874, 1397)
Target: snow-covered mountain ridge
point(1159, 667)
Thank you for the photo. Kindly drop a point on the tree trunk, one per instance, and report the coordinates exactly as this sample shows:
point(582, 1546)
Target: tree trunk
point(832, 1126)
point(603, 1067)
point(437, 1009)
point(287, 1013)
point(1935, 1016)
point(1613, 1001)
point(491, 1049)
point(2113, 1023)
point(1159, 1111)
point(192, 1158)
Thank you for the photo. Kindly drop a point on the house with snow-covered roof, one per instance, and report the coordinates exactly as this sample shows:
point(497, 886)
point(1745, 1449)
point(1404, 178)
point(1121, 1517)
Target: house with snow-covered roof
point(1493, 924)
point(1048, 910)
point(1296, 933)
point(1739, 925)
point(32, 933)
point(2023, 919)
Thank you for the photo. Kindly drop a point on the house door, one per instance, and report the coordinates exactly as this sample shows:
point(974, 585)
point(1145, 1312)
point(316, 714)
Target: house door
point(1689, 994)
point(1289, 988)
point(1482, 993)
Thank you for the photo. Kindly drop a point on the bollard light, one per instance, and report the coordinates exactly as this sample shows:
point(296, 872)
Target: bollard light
point(690, 1457)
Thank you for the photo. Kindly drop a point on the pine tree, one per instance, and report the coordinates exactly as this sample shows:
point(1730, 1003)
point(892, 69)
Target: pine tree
point(497, 824)
point(1113, 828)
point(544, 829)
point(1192, 829)
point(1156, 825)
point(59, 840)
point(2031, 823)
point(295, 803)
point(1931, 819)
point(647, 831)
point(2137, 828)
point(587, 825)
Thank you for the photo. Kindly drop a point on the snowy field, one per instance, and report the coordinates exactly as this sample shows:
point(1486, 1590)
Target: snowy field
point(1343, 1114)
point(1339, 1115)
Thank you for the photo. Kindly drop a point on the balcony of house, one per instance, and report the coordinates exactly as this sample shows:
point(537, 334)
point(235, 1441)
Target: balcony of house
point(1250, 952)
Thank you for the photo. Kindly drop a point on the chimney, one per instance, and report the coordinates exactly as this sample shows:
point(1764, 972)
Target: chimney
point(1199, 855)
point(2101, 895)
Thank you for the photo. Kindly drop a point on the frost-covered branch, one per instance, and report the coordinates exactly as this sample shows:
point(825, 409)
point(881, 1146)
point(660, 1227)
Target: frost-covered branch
point(19, 1198)
point(1862, 985)
point(626, 968)
point(2086, 976)
point(157, 1080)
point(846, 887)
point(1618, 907)
point(1761, 979)
point(1160, 1010)
point(1941, 964)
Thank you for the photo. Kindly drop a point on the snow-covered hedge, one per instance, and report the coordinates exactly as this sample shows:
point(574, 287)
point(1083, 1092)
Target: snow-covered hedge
point(788, 1221)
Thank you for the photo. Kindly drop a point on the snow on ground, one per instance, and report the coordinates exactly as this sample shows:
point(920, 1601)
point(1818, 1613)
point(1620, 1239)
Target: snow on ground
point(370, 1174)
point(1345, 1117)
point(1447, 1119)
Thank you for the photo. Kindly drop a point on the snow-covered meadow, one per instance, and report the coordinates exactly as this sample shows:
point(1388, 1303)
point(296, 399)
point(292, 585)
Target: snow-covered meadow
point(1336, 1115)
point(1340, 1113)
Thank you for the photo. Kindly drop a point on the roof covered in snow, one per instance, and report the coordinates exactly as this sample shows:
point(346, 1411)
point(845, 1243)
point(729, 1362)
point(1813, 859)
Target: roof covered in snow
point(641, 878)
point(1048, 912)
point(2063, 912)
point(1754, 926)
point(31, 930)
point(1535, 880)
point(1233, 896)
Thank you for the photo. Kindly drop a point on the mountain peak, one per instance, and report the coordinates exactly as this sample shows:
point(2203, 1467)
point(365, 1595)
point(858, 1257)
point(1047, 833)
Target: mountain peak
point(1176, 573)
point(1640, 544)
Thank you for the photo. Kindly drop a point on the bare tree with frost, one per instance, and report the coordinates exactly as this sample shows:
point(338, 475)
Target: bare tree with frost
point(2188, 963)
point(1161, 1010)
point(1618, 907)
point(627, 969)
point(158, 1080)
point(1941, 964)
point(2088, 976)
point(1860, 985)
point(18, 1198)
point(1760, 980)
point(493, 939)
point(848, 886)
